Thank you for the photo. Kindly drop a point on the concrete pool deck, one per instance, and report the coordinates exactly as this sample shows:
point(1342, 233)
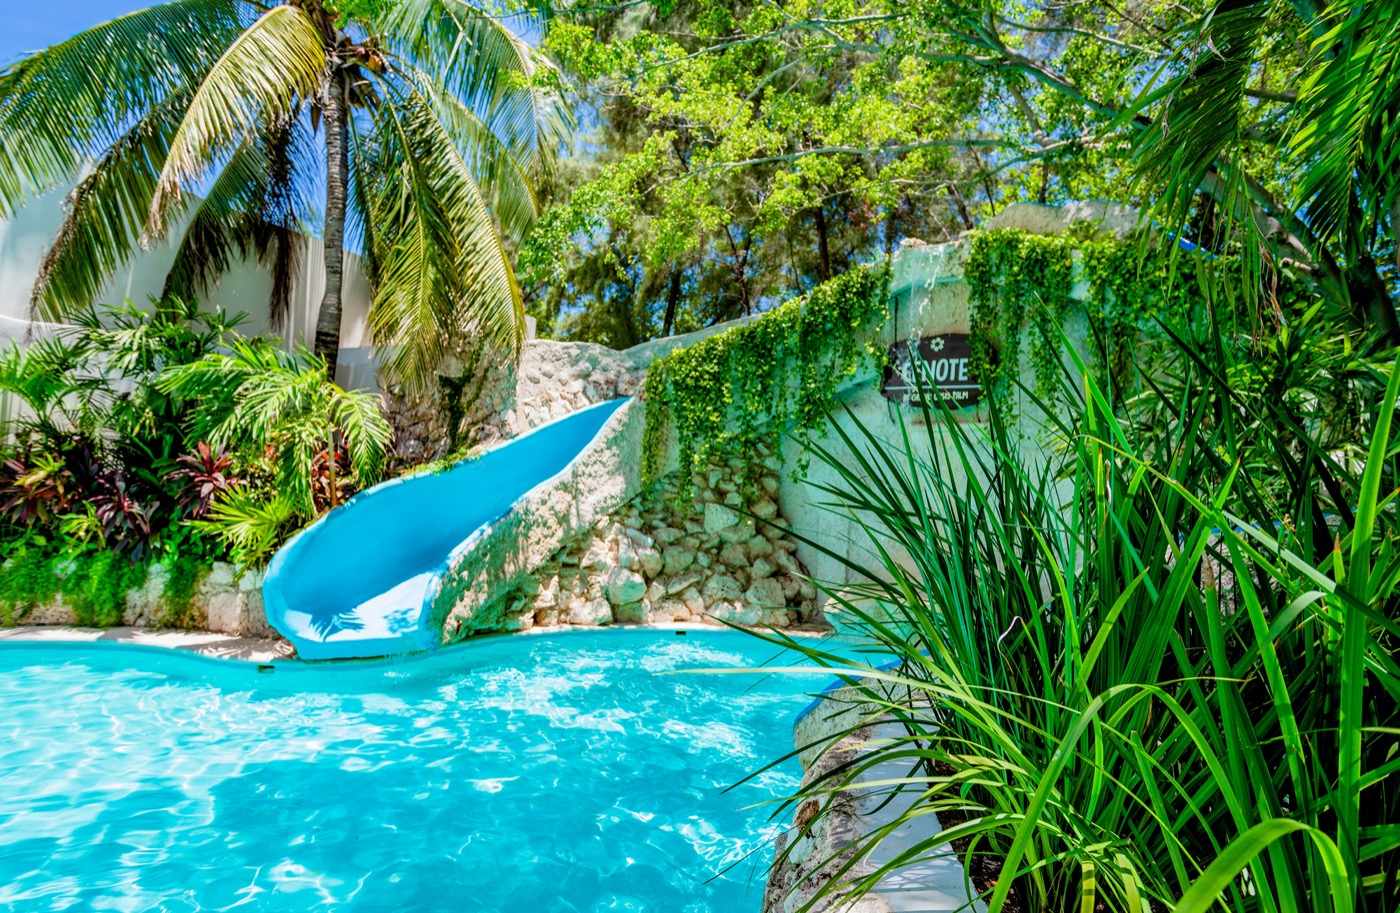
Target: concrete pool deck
point(268, 649)
point(816, 852)
point(204, 643)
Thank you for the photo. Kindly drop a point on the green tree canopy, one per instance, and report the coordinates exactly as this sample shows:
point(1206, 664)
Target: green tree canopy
point(744, 148)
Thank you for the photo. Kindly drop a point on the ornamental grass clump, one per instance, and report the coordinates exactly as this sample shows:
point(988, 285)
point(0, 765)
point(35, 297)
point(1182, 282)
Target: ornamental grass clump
point(1133, 672)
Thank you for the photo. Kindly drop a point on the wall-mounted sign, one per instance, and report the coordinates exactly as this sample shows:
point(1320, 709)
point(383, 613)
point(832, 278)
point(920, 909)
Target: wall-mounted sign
point(942, 362)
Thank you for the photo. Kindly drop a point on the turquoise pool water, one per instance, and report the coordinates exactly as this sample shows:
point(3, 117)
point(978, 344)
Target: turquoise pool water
point(569, 772)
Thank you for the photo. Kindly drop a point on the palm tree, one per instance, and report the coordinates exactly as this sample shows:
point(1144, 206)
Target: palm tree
point(1334, 130)
point(425, 122)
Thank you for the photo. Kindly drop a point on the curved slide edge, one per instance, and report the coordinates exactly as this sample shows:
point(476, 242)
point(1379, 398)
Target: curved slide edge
point(380, 574)
point(485, 576)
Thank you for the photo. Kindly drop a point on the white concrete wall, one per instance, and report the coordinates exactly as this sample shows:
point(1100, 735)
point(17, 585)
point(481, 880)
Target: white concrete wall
point(932, 298)
point(245, 290)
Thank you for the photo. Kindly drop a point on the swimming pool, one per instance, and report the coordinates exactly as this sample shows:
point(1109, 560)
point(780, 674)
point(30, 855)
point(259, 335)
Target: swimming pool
point(563, 772)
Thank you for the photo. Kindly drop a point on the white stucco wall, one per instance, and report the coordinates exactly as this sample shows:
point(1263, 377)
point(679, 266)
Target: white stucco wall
point(931, 298)
point(25, 238)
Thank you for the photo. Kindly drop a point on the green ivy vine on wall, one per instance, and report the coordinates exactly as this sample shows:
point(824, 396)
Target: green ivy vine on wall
point(93, 584)
point(1022, 287)
point(779, 372)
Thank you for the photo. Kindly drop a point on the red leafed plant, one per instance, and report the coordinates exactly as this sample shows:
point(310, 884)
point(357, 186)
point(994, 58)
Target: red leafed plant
point(204, 476)
point(35, 489)
point(125, 517)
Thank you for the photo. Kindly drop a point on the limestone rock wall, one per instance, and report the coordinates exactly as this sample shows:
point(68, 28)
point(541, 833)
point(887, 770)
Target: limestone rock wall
point(495, 401)
point(223, 601)
point(671, 555)
point(819, 849)
point(479, 592)
point(555, 379)
point(679, 551)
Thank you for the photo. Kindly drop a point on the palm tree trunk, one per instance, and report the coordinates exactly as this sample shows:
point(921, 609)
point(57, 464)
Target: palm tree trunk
point(337, 177)
point(331, 467)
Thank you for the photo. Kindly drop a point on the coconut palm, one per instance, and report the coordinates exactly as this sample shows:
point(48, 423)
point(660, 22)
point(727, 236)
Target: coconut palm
point(221, 122)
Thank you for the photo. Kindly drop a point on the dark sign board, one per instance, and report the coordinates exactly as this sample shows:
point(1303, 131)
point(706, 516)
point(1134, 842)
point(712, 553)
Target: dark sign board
point(944, 365)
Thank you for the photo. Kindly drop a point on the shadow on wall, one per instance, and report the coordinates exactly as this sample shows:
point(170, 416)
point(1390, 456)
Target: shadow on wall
point(245, 289)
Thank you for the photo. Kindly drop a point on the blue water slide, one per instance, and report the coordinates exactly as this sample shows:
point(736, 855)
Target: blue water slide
point(361, 581)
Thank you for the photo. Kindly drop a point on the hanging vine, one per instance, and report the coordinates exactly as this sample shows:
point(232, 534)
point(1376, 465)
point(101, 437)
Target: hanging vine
point(780, 372)
point(1023, 286)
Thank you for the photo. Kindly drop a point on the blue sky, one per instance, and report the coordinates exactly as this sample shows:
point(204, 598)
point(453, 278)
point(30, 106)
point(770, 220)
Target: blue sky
point(33, 24)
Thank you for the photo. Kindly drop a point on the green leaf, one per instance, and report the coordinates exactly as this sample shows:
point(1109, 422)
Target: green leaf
point(1206, 889)
point(277, 62)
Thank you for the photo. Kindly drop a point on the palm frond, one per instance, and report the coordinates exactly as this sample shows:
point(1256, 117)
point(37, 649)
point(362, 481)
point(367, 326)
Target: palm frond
point(104, 216)
point(443, 268)
point(254, 208)
point(249, 526)
point(502, 169)
point(1348, 135)
point(1202, 105)
point(257, 81)
point(487, 66)
point(65, 104)
point(278, 232)
point(367, 433)
point(37, 374)
point(213, 382)
point(257, 397)
point(365, 153)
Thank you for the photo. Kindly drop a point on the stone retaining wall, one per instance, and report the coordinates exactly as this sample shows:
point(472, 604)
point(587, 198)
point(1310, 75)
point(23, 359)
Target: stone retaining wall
point(480, 592)
point(223, 601)
point(498, 402)
point(591, 547)
point(672, 555)
point(817, 847)
point(495, 401)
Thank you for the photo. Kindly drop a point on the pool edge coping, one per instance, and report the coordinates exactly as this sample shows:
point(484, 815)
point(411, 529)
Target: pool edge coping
point(214, 645)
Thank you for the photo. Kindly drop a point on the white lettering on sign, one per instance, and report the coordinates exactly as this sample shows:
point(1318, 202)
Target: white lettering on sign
point(939, 364)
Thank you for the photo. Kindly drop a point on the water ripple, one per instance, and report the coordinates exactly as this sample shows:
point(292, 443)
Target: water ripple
point(570, 773)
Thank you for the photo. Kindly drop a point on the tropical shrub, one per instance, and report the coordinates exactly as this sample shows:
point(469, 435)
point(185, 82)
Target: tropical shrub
point(250, 525)
point(34, 489)
point(203, 476)
point(1132, 673)
point(260, 400)
point(94, 441)
point(149, 436)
